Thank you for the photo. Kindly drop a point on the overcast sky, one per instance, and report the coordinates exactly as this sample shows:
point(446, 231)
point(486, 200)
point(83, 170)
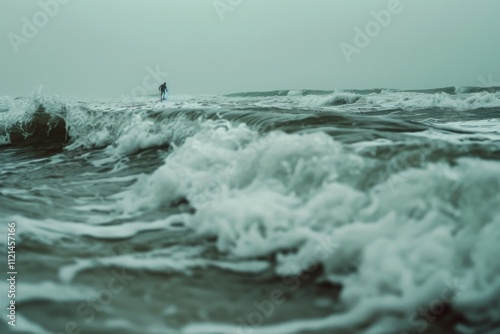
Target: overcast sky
point(106, 48)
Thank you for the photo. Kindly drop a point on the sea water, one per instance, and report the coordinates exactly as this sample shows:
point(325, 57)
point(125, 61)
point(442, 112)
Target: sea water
point(373, 211)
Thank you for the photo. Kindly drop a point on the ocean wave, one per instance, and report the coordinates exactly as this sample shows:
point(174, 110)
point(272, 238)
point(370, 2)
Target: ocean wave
point(451, 98)
point(304, 92)
point(34, 121)
point(393, 241)
point(419, 101)
point(471, 89)
point(341, 99)
point(392, 210)
point(132, 126)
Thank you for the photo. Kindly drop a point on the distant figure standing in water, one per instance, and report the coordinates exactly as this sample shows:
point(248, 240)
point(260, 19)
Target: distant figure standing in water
point(163, 89)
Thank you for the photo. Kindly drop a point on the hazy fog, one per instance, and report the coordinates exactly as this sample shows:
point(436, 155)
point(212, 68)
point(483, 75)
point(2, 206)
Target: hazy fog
point(105, 48)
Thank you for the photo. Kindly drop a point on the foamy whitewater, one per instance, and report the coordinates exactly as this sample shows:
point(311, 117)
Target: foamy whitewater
point(370, 212)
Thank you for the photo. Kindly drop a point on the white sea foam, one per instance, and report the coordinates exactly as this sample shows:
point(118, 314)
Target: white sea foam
point(387, 99)
point(402, 240)
point(415, 101)
point(174, 259)
point(48, 291)
point(49, 230)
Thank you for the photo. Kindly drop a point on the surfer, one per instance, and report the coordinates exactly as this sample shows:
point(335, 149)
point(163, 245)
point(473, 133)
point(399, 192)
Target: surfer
point(163, 89)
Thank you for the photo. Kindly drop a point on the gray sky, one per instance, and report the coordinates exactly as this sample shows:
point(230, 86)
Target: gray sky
point(104, 48)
